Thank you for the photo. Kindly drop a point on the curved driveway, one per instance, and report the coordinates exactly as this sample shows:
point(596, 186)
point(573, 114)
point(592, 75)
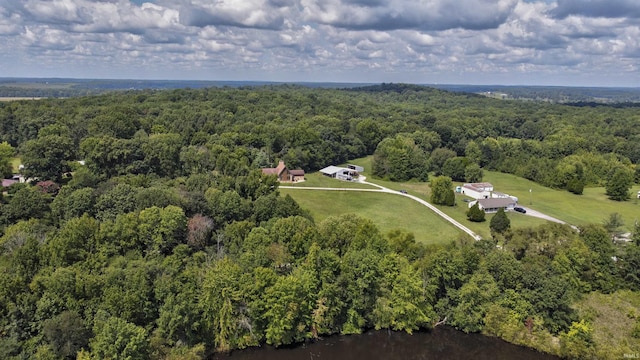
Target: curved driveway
point(538, 214)
point(389, 191)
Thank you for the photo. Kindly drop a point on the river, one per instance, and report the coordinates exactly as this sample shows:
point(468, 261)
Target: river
point(440, 343)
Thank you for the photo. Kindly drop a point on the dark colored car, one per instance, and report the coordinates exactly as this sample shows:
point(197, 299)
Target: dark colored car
point(520, 210)
point(403, 191)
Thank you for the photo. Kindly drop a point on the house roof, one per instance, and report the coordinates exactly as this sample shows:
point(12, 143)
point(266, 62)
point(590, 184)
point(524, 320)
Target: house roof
point(483, 186)
point(330, 170)
point(276, 170)
point(281, 167)
point(495, 202)
point(296, 172)
point(8, 182)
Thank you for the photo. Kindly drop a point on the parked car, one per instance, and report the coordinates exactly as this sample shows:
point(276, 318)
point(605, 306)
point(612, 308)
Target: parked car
point(403, 191)
point(520, 210)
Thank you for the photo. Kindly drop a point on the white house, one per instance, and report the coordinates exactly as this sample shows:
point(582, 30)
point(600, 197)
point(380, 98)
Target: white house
point(477, 190)
point(492, 205)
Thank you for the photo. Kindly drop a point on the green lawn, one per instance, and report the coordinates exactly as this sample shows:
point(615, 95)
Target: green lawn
point(591, 207)
point(316, 179)
point(387, 211)
point(458, 212)
point(395, 212)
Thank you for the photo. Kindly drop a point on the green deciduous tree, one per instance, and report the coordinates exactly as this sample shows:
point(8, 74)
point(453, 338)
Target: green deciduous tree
point(118, 339)
point(575, 186)
point(75, 240)
point(475, 214)
point(455, 168)
point(27, 202)
point(66, 333)
point(473, 301)
point(403, 303)
point(473, 173)
point(442, 191)
point(399, 159)
point(6, 153)
point(578, 343)
point(500, 222)
point(221, 303)
point(290, 303)
point(438, 158)
point(70, 203)
point(48, 156)
point(619, 183)
point(162, 229)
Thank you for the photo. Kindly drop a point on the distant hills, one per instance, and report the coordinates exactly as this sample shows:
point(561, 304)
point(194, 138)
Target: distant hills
point(65, 87)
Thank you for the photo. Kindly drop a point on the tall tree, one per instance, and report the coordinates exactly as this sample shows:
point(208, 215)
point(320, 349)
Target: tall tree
point(500, 222)
point(48, 156)
point(442, 191)
point(619, 183)
point(6, 152)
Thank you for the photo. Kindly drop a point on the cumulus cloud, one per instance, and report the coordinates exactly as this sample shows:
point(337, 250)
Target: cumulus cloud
point(597, 8)
point(404, 14)
point(359, 40)
point(261, 14)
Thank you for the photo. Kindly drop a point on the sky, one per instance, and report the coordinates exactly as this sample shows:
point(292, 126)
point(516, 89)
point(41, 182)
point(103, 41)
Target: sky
point(498, 42)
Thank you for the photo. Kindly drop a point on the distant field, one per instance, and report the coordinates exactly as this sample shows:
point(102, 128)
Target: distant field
point(19, 98)
point(388, 211)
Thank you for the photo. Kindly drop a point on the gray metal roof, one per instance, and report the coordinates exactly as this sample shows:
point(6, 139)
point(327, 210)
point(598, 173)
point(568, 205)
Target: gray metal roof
point(330, 170)
point(496, 202)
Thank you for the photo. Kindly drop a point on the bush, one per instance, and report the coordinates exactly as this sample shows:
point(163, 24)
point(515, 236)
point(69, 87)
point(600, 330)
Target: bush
point(475, 214)
point(575, 186)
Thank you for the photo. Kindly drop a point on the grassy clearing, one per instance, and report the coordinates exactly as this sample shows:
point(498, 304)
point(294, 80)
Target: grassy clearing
point(316, 179)
point(387, 211)
point(591, 207)
point(458, 212)
point(613, 317)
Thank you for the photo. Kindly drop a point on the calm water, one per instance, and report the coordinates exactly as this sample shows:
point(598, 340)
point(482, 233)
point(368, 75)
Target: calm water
point(441, 343)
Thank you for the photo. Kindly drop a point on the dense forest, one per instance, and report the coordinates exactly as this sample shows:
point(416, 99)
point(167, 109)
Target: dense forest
point(149, 231)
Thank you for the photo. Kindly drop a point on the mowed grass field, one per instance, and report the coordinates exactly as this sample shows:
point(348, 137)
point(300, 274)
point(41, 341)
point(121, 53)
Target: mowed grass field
point(458, 212)
point(387, 211)
point(591, 207)
point(390, 211)
point(316, 179)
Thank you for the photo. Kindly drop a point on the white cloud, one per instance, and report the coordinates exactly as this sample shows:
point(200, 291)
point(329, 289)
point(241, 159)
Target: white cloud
point(357, 40)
